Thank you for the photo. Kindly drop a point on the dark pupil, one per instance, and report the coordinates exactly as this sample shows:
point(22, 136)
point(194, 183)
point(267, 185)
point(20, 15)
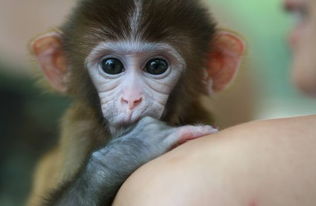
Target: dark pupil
point(112, 66)
point(156, 66)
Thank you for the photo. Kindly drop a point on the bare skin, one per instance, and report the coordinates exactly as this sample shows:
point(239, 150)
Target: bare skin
point(302, 41)
point(259, 163)
point(263, 163)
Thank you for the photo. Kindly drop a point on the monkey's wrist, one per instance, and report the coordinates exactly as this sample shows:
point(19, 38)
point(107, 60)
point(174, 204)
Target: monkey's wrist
point(99, 172)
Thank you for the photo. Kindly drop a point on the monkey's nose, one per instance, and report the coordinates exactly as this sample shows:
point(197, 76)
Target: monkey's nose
point(131, 102)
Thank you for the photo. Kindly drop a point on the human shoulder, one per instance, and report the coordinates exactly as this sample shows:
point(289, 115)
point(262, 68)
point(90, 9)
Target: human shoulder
point(245, 149)
point(285, 126)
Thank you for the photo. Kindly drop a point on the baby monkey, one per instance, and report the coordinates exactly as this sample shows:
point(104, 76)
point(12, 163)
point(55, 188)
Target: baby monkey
point(136, 70)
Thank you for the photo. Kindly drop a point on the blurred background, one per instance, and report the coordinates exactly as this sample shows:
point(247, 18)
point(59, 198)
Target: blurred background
point(29, 116)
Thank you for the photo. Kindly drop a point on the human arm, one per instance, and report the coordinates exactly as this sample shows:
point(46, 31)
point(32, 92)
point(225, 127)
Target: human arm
point(260, 163)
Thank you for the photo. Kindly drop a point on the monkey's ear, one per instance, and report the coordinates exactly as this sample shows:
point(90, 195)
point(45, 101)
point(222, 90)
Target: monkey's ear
point(224, 60)
point(49, 53)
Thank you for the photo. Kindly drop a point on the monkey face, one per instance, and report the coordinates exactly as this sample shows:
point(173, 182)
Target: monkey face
point(133, 79)
point(130, 59)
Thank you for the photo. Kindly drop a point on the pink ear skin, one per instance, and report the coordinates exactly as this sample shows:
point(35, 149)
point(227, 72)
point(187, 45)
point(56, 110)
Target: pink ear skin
point(48, 51)
point(224, 60)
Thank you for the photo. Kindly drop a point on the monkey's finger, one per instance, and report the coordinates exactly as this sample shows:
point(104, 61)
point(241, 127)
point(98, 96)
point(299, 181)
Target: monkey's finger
point(186, 133)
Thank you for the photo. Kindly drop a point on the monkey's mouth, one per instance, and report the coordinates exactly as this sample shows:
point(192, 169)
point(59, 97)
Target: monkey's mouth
point(128, 118)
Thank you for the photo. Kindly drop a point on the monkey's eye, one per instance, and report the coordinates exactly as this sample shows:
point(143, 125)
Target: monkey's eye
point(112, 66)
point(156, 66)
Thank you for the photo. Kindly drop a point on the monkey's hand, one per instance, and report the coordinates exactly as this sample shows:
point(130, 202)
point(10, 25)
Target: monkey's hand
point(110, 166)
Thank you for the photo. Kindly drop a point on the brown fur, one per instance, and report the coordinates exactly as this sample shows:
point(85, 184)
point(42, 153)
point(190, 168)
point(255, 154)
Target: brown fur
point(83, 127)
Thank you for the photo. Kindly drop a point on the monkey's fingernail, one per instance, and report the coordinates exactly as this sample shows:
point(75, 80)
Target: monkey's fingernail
point(212, 129)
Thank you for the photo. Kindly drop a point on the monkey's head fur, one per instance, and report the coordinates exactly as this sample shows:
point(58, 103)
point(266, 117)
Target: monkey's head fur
point(185, 26)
